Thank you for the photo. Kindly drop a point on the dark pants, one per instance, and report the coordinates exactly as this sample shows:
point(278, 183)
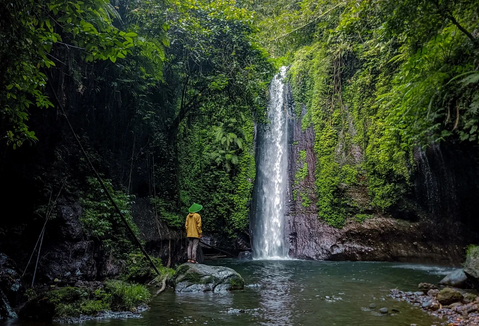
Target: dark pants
point(192, 247)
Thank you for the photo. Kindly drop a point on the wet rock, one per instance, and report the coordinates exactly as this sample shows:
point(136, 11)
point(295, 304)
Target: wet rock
point(11, 287)
point(253, 286)
point(70, 227)
point(383, 310)
point(447, 296)
point(427, 304)
point(455, 305)
point(103, 315)
point(245, 255)
point(372, 306)
point(457, 279)
point(203, 278)
point(425, 287)
point(234, 311)
point(433, 292)
point(435, 306)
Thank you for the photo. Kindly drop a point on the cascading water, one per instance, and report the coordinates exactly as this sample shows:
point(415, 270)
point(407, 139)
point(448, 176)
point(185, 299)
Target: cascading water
point(269, 197)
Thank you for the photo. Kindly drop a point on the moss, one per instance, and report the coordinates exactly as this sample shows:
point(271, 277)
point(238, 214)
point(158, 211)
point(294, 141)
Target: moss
point(208, 279)
point(362, 217)
point(74, 301)
point(192, 277)
point(117, 296)
point(236, 283)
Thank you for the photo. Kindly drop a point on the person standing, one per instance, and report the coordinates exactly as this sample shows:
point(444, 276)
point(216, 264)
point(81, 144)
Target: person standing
point(193, 231)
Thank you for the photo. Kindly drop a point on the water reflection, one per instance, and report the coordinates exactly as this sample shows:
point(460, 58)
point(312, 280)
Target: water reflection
point(276, 301)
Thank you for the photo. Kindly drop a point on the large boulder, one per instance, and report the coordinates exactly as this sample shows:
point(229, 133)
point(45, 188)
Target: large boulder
point(457, 279)
point(203, 278)
point(447, 296)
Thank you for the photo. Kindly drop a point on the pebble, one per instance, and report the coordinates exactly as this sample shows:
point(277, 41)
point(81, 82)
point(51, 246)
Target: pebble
point(383, 310)
point(454, 315)
point(372, 305)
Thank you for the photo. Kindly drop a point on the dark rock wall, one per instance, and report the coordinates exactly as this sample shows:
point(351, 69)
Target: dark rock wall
point(69, 255)
point(447, 183)
point(160, 240)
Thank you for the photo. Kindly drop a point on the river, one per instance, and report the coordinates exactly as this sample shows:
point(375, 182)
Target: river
point(295, 292)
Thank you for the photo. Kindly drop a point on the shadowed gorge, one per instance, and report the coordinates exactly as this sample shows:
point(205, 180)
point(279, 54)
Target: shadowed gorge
point(311, 132)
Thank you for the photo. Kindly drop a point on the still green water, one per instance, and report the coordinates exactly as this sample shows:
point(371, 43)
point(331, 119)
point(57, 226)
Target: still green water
point(294, 292)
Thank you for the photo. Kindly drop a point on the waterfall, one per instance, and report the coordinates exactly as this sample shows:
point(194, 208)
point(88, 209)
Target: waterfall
point(269, 198)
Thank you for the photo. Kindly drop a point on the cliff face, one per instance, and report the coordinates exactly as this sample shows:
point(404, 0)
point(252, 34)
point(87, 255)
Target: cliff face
point(428, 227)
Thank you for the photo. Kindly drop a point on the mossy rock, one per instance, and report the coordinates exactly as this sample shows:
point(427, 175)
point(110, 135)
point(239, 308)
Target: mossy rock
point(447, 296)
point(204, 278)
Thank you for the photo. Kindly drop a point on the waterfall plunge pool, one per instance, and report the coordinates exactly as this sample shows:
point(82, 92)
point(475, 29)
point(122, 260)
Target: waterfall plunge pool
point(296, 292)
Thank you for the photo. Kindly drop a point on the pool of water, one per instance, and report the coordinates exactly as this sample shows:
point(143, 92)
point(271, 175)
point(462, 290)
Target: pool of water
point(293, 292)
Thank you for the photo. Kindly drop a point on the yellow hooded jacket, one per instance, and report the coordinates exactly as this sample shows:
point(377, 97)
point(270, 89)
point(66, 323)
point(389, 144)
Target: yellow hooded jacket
point(193, 225)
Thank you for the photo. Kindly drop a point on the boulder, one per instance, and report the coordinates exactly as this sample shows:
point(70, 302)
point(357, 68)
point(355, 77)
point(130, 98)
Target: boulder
point(245, 255)
point(203, 278)
point(471, 266)
point(447, 296)
point(469, 297)
point(425, 287)
point(457, 279)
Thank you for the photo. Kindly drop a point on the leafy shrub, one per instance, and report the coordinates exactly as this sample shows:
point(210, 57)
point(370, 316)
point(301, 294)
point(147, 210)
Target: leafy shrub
point(126, 296)
point(100, 219)
point(75, 301)
point(362, 217)
point(138, 268)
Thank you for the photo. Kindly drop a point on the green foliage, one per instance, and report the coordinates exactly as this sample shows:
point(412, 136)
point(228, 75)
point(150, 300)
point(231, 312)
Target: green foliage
point(226, 208)
point(377, 79)
point(116, 296)
point(138, 269)
point(126, 296)
point(100, 219)
point(362, 217)
point(472, 251)
point(31, 32)
point(172, 219)
point(73, 301)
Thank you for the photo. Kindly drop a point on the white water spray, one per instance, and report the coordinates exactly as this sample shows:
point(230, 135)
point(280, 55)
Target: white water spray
point(272, 175)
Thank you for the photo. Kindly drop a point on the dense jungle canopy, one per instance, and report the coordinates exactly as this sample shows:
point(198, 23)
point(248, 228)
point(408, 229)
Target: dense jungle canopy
point(164, 97)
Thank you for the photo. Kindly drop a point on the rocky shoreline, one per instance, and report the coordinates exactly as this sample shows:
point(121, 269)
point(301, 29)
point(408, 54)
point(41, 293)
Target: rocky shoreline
point(103, 315)
point(456, 308)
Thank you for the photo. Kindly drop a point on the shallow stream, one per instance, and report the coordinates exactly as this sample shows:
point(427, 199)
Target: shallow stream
point(293, 292)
